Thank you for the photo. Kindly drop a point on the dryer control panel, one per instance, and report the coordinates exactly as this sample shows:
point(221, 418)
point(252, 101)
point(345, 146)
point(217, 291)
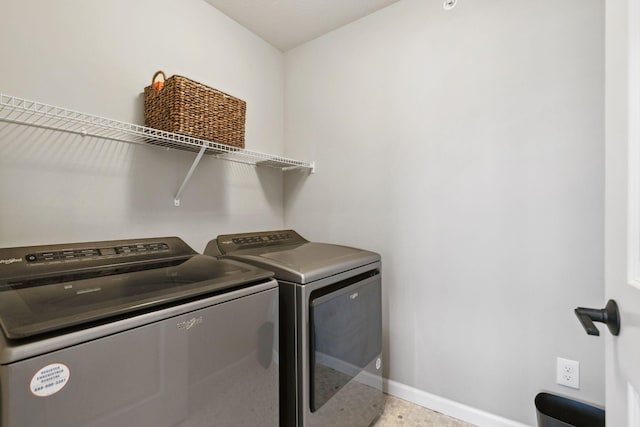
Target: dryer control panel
point(234, 242)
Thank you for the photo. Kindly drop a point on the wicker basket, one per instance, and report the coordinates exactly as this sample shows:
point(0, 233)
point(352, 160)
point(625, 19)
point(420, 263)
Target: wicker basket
point(190, 108)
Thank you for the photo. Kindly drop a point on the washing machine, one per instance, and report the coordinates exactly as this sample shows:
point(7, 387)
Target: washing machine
point(330, 325)
point(142, 332)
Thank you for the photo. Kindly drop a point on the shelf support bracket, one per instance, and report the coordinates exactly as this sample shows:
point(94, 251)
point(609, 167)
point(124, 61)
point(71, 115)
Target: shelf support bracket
point(176, 200)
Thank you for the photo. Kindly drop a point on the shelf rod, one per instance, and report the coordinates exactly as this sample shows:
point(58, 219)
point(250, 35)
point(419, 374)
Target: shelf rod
point(176, 200)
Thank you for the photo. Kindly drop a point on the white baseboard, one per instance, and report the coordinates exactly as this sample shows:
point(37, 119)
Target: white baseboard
point(448, 407)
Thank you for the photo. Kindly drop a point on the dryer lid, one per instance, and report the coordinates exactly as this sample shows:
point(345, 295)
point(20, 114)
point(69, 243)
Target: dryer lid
point(291, 258)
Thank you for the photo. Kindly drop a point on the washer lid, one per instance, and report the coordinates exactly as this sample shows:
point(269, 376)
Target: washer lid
point(47, 288)
point(302, 262)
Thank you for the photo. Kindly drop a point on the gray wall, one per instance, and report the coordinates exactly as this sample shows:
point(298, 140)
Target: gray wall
point(467, 148)
point(96, 57)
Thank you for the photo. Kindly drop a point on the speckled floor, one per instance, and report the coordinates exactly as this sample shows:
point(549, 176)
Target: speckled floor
point(398, 412)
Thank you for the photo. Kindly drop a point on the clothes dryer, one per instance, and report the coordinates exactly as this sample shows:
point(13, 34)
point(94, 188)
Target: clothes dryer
point(330, 325)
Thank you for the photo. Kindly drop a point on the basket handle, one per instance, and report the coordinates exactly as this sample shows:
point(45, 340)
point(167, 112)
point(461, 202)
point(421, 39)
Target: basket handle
point(157, 82)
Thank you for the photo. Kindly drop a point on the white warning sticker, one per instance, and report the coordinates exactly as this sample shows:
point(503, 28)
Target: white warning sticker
point(50, 380)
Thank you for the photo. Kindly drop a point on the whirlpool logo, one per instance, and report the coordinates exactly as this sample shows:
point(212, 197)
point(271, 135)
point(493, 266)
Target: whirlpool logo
point(9, 261)
point(188, 324)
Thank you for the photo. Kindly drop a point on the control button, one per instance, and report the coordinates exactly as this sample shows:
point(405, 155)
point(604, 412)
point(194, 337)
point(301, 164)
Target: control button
point(83, 253)
point(49, 256)
point(31, 258)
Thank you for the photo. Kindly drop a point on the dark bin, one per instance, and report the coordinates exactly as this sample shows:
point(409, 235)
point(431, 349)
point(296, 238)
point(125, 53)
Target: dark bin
point(556, 411)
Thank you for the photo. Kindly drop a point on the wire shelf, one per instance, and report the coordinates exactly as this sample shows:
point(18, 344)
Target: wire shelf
point(38, 114)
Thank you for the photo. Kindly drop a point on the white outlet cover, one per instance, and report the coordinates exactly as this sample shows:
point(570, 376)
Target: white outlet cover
point(568, 373)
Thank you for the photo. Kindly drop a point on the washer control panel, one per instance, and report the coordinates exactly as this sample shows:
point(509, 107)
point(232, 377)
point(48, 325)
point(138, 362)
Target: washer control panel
point(234, 242)
point(71, 254)
point(53, 259)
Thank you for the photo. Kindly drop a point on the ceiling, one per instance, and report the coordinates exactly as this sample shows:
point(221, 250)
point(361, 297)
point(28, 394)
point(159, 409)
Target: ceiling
point(289, 23)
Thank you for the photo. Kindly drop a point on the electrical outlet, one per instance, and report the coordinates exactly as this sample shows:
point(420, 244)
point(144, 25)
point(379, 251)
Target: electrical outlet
point(568, 373)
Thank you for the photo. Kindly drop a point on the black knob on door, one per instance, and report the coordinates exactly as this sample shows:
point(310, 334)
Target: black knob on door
point(609, 315)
